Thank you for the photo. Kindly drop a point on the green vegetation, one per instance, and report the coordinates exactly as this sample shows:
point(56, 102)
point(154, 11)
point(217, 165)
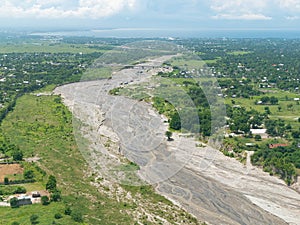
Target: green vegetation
point(38, 46)
point(169, 135)
point(239, 53)
point(281, 161)
point(45, 214)
point(97, 73)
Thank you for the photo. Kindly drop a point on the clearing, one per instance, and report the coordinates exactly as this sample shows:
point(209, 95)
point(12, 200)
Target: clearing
point(9, 169)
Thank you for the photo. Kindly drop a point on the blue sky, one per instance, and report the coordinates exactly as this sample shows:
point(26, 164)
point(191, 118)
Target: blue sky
point(164, 14)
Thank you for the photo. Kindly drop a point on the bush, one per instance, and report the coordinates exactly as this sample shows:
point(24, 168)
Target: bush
point(14, 203)
point(257, 137)
point(34, 219)
point(77, 217)
point(68, 211)
point(56, 196)
point(15, 223)
point(57, 216)
point(6, 180)
point(20, 190)
point(28, 174)
point(17, 155)
point(45, 200)
point(51, 184)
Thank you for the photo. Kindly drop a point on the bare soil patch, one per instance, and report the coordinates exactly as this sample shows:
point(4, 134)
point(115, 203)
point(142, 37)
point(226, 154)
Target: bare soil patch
point(9, 169)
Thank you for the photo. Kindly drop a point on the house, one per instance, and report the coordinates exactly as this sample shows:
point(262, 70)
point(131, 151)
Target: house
point(258, 131)
point(24, 200)
point(250, 144)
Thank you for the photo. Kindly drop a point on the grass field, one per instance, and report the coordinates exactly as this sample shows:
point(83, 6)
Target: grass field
point(45, 213)
point(97, 73)
point(285, 98)
point(190, 63)
point(239, 53)
point(46, 47)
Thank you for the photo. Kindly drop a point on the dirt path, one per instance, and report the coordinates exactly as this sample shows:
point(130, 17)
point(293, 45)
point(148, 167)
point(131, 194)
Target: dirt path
point(213, 187)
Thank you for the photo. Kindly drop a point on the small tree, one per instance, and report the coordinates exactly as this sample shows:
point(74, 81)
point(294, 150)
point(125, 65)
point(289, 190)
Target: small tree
point(274, 100)
point(28, 174)
point(6, 180)
point(17, 155)
point(14, 202)
point(56, 196)
point(279, 108)
point(15, 223)
point(51, 184)
point(77, 216)
point(169, 135)
point(20, 190)
point(257, 137)
point(267, 110)
point(290, 107)
point(34, 219)
point(68, 211)
point(57, 216)
point(45, 200)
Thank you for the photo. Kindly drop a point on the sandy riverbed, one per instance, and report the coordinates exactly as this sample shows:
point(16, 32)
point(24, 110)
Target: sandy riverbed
point(213, 187)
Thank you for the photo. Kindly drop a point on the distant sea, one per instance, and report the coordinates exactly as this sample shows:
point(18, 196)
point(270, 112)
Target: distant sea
point(177, 33)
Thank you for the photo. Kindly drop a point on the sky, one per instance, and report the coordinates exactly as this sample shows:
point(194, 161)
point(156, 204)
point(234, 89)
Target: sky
point(143, 14)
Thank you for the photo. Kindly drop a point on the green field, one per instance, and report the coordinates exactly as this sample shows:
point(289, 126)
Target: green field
point(45, 213)
point(285, 98)
point(239, 53)
point(47, 47)
point(97, 73)
point(190, 63)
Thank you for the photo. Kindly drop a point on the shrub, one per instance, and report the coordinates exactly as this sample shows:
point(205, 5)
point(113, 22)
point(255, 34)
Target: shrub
point(51, 184)
point(77, 217)
point(68, 211)
point(57, 216)
point(34, 219)
point(56, 196)
point(6, 181)
point(28, 174)
point(15, 223)
point(17, 155)
point(45, 200)
point(257, 137)
point(20, 190)
point(14, 203)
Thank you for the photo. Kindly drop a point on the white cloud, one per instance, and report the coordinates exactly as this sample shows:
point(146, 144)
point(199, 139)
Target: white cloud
point(240, 9)
point(238, 5)
point(290, 5)
point(255, 9)
point(242, 17)
point(64, 8)
point(292, 17)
